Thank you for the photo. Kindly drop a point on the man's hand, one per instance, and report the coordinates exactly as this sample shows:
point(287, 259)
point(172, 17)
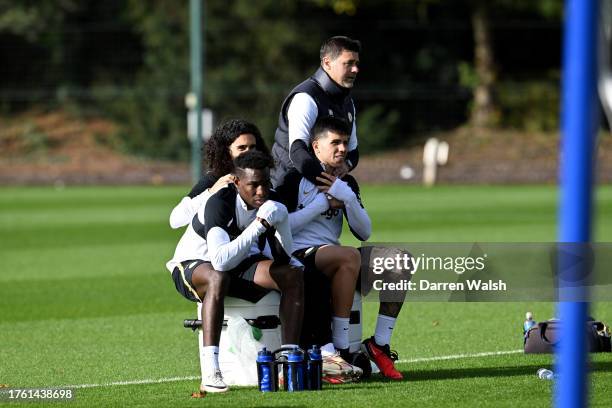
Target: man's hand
point(327, 180)
point(339, 171)
point(335, 187)
point(273, 212)
point(263, 222)
point(222, 182)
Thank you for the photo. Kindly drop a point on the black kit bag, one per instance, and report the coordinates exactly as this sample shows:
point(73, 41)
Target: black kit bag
point(544, 337)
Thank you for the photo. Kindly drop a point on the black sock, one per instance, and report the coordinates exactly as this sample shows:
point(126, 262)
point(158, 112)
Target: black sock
point(345, 354)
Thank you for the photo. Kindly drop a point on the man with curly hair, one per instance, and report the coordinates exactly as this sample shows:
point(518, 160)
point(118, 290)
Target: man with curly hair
point(231, 139)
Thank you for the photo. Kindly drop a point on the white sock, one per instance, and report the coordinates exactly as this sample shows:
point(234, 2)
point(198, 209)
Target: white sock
point(340, 332)
point(384, 329)
point(328, 349)
point(210, 357)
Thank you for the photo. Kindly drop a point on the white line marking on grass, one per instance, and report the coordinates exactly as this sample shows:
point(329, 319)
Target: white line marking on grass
point(459, 356)
point(133, 382)
point(191, 378)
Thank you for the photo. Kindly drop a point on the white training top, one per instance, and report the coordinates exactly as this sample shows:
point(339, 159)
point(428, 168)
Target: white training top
point(193, 245)
point(302, 115)
point(313, 222)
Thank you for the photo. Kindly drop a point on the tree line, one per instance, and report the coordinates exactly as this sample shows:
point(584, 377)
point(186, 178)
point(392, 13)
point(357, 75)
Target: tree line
point(426, 65)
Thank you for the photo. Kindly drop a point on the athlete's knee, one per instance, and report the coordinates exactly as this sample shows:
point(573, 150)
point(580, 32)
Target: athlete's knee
point(403, 271)
point(218, 282)
point(350, 258)
point(288, 277)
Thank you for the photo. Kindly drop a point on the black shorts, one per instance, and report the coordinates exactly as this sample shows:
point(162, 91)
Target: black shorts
point(181, 275)
point(241, 279)
point(307, 257)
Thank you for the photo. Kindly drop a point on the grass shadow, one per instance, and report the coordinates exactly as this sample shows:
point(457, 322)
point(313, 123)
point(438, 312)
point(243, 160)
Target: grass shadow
point(461, 373)
point(480, 372)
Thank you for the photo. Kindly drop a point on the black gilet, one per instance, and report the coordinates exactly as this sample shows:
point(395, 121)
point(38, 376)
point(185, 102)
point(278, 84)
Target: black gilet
point(331, 100)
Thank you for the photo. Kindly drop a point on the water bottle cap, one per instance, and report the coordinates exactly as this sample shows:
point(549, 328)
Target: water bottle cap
point(264, 355)
point(314, 353)
point(295, 356)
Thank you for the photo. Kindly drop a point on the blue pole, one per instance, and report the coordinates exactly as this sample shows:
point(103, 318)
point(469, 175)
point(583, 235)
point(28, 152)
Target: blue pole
point(579, 128)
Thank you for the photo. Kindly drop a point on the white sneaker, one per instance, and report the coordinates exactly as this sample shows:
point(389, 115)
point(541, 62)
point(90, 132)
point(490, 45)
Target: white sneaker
point(337, 371)
point(213, 382)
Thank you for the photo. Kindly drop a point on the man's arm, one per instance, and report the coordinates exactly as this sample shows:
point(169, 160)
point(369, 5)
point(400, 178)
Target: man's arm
point(356, 215)
point(352, 157)
point(226, 254)
point(280, 240)
point(288, 193)
point(184, 211)
point(301, 117)
point(300, 218)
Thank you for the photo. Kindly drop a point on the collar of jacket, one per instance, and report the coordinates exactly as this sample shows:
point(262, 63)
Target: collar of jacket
point(329, 86)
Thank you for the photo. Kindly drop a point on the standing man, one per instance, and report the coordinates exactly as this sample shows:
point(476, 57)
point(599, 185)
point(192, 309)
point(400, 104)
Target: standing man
point(239, 244)
point(325, 93)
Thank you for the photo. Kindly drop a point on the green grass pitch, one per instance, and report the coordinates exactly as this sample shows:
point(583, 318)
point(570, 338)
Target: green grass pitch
point(85, 299)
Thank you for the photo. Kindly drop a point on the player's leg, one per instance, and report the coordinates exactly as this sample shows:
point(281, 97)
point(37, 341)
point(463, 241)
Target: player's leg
point(387, 315)
point(341, 265)
point(198, 281)
point(316, 325)
point(377, 347)
point(289, 280)
point(211, 286)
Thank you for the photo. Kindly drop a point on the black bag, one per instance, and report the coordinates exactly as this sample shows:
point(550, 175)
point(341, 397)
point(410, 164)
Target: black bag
point(544, 337)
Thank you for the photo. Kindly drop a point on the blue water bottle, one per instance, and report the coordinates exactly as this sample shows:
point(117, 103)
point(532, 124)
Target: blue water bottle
point(294, 378)
point(314, 369)
point(266, 371)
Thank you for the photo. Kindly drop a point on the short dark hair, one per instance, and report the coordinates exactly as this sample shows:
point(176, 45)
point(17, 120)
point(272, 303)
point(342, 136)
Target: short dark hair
point(333, 47)
point(253, 159)
point(217, 148)
point(326, 124)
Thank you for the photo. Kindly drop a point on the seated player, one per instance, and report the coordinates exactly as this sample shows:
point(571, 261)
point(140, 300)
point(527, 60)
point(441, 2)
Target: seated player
point(316, 216)
point(239, 244)
point(231, 139)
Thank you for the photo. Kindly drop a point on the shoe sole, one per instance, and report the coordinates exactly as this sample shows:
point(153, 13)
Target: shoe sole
point(208, 388)
point(354, 372)
point(338, 380)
